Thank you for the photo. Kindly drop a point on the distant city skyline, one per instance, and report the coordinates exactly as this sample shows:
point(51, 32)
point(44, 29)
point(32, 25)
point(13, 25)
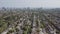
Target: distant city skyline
point(30, 3)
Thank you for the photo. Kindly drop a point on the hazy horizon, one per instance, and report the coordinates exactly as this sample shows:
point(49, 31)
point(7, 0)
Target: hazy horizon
point(30, 3)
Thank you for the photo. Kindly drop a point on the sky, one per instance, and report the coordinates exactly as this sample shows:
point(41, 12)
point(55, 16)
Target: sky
point(30, 3)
